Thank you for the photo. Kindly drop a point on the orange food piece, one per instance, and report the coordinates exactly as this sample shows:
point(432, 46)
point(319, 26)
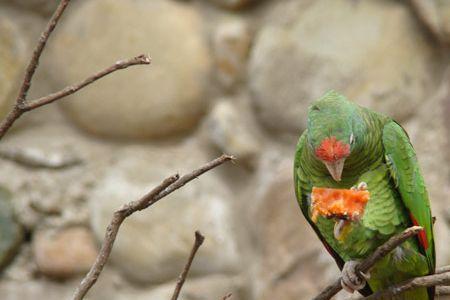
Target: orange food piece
point(340, 203)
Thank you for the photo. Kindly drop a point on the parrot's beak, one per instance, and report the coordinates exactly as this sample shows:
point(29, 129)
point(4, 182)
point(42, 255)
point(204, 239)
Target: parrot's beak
point(335, 168)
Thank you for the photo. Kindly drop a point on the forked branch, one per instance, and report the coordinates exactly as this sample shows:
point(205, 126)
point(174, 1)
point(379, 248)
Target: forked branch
point(168, 186)
point(22, 105)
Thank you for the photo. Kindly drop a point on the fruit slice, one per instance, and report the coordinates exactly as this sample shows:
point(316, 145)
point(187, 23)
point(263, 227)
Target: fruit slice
point(347, 204)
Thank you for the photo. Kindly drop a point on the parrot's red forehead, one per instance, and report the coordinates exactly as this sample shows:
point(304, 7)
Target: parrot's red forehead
point(332, 150)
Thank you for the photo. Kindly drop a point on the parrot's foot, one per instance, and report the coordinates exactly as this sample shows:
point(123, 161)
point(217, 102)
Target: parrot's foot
point(352, 281)
point(339, 228)
point(362, 186)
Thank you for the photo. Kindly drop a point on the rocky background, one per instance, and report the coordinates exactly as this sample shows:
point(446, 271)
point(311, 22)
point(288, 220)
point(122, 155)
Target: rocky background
point(233, 76)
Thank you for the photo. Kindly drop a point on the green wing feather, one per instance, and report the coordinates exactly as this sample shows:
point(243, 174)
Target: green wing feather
point(404, 168)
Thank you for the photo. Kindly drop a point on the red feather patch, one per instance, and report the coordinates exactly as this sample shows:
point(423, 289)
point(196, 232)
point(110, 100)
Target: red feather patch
point(332, 150)
point(422, 234)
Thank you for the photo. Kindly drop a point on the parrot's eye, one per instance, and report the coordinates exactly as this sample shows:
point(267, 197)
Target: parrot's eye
point(352, 139)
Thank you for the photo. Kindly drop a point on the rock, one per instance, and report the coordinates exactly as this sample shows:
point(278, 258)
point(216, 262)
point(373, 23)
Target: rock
point(341, 45)
point(292, 264)
point(10, 231)
point(12, 61)
point(42, 7)
point(231, 132)
point(234, 4)
point(153, 245)
point(144, 101)
point(232, 41)
point(64, 253)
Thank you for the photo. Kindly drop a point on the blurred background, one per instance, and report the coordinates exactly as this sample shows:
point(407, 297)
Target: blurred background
point(227, 76)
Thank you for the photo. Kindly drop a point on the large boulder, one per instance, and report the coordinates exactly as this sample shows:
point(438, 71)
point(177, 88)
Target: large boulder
point(153, 245)
point(144, 101)
point(371, 51)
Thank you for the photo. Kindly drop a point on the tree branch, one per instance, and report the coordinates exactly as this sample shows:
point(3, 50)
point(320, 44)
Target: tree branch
point(367, 263)
point(169, 185)
point(69, 90)
point(423, 281)
point(34, 61)
point(22, 105)
point(199, 238)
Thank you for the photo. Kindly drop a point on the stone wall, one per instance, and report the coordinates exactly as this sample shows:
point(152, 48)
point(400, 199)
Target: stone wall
point(233, 76)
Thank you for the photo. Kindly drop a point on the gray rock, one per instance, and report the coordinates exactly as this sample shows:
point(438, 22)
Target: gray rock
point(231, 42)
point(153, 245)
point(64, 253)
point(145, 101)
point(232, 133)
point(10, 231)
point(12, 60)
point(343, 45)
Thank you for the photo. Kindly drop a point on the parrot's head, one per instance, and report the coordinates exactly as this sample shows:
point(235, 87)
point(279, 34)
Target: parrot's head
point(335, 129)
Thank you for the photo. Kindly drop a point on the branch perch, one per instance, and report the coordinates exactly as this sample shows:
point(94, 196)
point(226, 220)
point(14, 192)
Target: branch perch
point(199, 238)
point(368, 263)
point(22, 105)
point(168, 186)
point(424, 281)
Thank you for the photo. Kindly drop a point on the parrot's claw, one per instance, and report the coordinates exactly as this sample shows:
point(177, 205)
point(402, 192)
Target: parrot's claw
point(362, 186)
point(351, 281)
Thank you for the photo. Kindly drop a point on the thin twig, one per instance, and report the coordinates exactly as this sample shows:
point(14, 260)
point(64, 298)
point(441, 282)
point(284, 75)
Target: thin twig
point(34, 61)
point(22, 105)
point(424, 281)
point(199, 238)
point(367, 263)
point(169, 185)
point(68, 90)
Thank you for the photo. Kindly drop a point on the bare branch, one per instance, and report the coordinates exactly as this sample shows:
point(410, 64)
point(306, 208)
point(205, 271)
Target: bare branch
point(199, 238)
point(22, 105)
point(367, 263)
point(122, 64)
point(32, 65)
point(424, 281)
point(169, 185)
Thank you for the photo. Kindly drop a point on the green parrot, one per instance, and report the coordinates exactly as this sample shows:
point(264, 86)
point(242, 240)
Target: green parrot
point(348, 146)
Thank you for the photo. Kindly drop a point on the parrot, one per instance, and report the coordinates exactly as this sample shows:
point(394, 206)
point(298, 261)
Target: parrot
point(347, 146)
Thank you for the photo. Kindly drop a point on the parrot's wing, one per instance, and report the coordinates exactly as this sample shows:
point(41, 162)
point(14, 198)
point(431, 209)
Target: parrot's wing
point(402, 161)
point(303, 201)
